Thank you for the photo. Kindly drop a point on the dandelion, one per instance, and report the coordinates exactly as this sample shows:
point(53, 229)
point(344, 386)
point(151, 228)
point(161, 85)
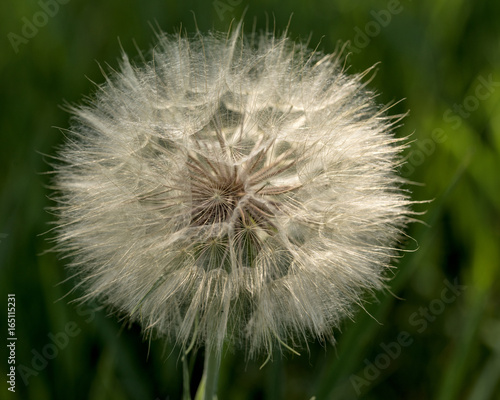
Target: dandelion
point(234, 189)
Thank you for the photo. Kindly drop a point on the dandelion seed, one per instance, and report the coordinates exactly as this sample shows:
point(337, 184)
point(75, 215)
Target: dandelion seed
point(239, 189)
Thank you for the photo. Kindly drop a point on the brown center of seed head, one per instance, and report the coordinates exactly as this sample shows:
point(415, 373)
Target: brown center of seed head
point(243, 194)
point(215, 195)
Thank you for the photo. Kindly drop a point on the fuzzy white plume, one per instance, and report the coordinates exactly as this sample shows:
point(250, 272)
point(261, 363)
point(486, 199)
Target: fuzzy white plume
point(234, 188)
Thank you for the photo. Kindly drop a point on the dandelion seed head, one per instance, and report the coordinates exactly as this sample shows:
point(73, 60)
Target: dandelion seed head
point(234, 188)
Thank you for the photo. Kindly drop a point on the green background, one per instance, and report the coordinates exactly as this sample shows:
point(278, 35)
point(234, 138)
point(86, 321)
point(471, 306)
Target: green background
point(436, 55)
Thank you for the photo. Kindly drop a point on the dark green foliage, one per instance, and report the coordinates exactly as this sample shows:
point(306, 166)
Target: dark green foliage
point(429, 339)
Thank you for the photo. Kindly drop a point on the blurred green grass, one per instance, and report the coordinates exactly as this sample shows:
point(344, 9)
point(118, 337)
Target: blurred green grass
point(435, 55)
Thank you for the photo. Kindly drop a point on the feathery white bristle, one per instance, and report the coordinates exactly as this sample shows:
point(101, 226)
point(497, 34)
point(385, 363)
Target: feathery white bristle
point(231, 191)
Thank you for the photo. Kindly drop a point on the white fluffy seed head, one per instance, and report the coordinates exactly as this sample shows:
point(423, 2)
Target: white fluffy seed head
point(234, 188)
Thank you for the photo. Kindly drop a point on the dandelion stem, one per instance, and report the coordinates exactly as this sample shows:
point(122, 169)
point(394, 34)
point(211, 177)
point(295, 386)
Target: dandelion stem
point(210, 373)
point(185, 378)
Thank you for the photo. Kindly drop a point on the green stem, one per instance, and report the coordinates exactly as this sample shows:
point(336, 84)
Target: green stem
point(186, 395)
point(211, 372)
